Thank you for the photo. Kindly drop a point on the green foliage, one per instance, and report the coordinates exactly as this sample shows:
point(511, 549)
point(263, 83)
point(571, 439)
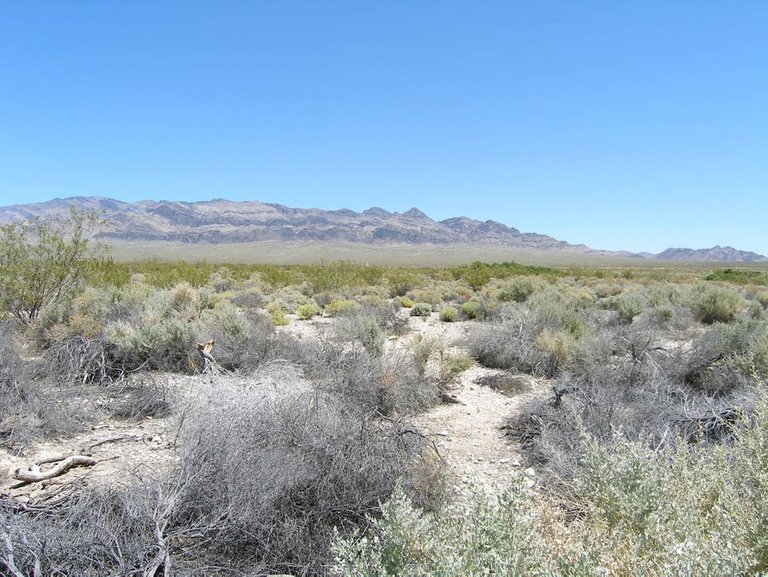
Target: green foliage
point(363, 327)
point(628, 306)
point(712, 304)
point(307, 311)
point(278, 314)
point(421, 310)
point(41, 262)
point(738, 276)
point(405, 302)
point(537, 336)
point(518, 290)
point(491, 538)
point(449, 314)
point(664, 510)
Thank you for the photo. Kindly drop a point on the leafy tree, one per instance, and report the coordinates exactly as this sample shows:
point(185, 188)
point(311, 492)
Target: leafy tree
point(42, 261)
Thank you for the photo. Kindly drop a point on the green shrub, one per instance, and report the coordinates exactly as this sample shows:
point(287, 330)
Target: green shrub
point(341, 306)
point(41, 262)
point(712, 304)
point(470, 308)
point(490, 538)
point(421, 310)
point(538, 336)
point(277, 313)
point(405, 302)
point(306, 311)
point(449, 314)
point(364, 329)
point(628, 306)
point(518, 290)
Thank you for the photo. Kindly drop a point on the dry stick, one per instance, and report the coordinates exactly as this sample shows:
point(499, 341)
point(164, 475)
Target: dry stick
point(33, 476)
point(8, 561)
point(105, 441)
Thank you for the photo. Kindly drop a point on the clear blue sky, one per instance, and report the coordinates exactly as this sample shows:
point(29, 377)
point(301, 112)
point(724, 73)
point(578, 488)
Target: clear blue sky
point(635, 125)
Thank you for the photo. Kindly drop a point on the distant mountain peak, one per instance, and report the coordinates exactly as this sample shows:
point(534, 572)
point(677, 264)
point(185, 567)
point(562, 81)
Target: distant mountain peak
point(716, 253)
point(416, 214)
point(221, 221)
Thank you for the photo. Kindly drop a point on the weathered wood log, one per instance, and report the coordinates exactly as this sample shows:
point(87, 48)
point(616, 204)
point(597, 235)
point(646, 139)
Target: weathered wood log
point(34, 474)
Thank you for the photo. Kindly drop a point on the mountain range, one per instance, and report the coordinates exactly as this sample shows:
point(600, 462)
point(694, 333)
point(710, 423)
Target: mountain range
point(222, 221)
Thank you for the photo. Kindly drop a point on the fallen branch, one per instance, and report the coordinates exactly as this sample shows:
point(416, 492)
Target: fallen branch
point(34, 474)
point(88, 448)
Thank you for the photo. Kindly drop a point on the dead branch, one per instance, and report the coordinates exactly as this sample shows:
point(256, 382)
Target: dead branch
point(34, 474)
point(205, 351)
point(88, 448)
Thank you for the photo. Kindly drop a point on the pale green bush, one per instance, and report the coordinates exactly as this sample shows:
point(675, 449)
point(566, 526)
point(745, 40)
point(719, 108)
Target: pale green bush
point(307, 311)
point(628, 306)
point(278, 314)
point(517, 290)
point(491, 538)
point(341, 306)
point(712, 304)
point(449, 314)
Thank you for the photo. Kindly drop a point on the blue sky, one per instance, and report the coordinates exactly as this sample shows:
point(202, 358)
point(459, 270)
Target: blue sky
point(627, 124)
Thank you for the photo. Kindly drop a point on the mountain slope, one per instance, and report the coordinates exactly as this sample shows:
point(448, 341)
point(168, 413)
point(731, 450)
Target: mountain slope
point(220, 221)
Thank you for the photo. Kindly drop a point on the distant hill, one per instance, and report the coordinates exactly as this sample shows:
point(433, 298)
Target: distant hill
point(222, 221)
point(716, 253)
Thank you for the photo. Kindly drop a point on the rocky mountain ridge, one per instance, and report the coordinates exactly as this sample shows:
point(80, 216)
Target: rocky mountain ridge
point(220, 221)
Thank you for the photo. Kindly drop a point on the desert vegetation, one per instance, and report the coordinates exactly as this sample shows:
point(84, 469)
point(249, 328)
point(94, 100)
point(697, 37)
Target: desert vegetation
point(298, 450)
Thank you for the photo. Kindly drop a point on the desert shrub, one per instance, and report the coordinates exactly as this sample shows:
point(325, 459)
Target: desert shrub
point(670, 510)
point(489, 537)
point(278, 314)
point(480, 308)
point(712, 304)
point(429, 295)
point(248, 299)
point(684, 512)
point(405, 302)
point(724, 356)
point(401, 281)
point(139, 398)
point(101, 531)
point(306, 311)
point(41, 262)
point(628, 306)
point(449, 314)
point(470, 308)
point(340, 306)
point(269, 478)
point(153, 330)
point(247, 343)
point(367, 331)
point(517, 290)
point(538, 336)
point(33, 408)
point(85, 360)
point(421, 310)
point(405, 390)
point(738, 276)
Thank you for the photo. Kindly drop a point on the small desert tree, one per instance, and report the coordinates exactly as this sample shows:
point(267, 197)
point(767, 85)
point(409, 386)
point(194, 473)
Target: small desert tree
point(41, 261)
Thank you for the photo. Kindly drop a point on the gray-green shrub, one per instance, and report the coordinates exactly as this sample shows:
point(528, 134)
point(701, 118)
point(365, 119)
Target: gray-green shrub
point(421, 310)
